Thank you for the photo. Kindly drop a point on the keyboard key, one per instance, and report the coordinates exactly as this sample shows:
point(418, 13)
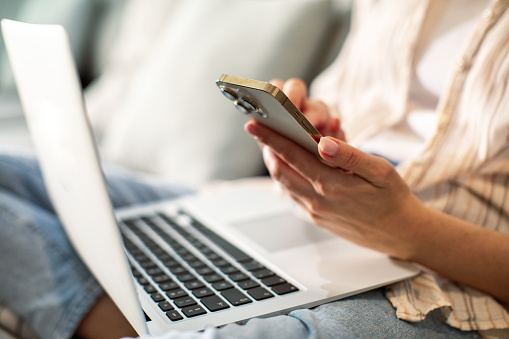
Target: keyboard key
point(170, 263)
point(140, 257)
point(202, 292)
point(235, 297)
point(213, 278)
point(253, 265)
point(154, 271)
point(238, 277)
point(222, 285)
point(220, 262)
point(150, 289)
point(165, 256)
point(260, 293)
point(229, 269)
point(189, 257)
point(213, 256)
point(284, 288)
point(182, 251)
point(205, 271)
point(204, 249)
point(178, 270)
point(174, 315)
point(273, 280)
point(176, 294)
point(161, 278)
point(247, 284)
point(156, 250)
point(146, 264)
point(193, 285)
point(184, 302)
point(167, 286)
point(214, 303)
point(197, 264)
point(165, 305)
point(196, 243)
point(157, 297)
point(143, 281)
point(186, 277)
point(260, 274)
point(193, 311)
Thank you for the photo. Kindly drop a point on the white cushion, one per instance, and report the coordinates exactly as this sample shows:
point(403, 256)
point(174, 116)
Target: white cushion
point(163, 114)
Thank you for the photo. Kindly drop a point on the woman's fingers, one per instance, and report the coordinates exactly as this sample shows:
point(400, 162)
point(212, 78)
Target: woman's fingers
point(301, 161)
point(374, 170)
point(295, 89)
point(317, 113)
point(315, 110)
point(278, 83)
point(288, 151)
point(290, 180)
point(336, 153)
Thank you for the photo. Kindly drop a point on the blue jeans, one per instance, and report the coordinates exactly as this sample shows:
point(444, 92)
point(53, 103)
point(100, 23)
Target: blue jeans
point(44, 281)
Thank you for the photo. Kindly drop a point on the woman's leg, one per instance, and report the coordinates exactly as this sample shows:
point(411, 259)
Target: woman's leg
point(43, 279)
point(21, 175)
point(367, 315)
point(47, 283)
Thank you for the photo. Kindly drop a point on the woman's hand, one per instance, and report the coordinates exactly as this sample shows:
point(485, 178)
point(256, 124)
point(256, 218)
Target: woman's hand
point(362, 198)
point(352, 194)
point(357, 196)
point(315, 110)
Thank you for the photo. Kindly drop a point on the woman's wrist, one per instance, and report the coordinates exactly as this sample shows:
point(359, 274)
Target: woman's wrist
point(461, 251)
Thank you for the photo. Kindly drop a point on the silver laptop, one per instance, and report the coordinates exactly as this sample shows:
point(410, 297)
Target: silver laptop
point(204, 260)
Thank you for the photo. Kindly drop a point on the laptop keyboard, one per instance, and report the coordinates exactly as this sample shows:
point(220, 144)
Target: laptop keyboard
point(192, 278)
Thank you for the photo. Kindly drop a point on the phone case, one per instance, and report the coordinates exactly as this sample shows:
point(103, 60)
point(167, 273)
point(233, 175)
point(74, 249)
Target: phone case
point(268, 104)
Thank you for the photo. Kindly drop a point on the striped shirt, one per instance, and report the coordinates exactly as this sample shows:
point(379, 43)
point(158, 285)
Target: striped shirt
point(463, 169)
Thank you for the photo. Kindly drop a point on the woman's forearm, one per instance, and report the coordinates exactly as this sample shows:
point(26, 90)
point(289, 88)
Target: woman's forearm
point(463, 252)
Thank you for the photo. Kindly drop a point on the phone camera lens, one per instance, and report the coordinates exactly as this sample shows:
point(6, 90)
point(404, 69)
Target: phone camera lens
point(229, 94)
point(249, 105)
point(241, 108)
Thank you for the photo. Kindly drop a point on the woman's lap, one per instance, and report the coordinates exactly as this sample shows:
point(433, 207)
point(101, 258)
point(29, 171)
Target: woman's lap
point(44, 280)
point(367, 315)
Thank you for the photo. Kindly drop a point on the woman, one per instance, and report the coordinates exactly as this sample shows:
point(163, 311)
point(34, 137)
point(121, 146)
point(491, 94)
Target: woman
point(443, 206)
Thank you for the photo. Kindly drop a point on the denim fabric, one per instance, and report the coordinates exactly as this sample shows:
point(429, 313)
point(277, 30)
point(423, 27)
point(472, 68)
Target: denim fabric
point(368, 315)
point(43, 279)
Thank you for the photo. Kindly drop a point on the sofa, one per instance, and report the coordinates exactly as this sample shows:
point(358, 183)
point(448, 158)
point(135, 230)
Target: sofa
point(149, 71)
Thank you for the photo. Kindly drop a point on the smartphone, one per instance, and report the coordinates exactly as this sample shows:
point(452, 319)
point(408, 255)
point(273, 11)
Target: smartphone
point(268, 105)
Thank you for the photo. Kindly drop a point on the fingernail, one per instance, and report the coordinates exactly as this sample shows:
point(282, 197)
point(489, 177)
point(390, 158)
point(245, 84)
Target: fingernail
point(329, 147)
point(250, 128)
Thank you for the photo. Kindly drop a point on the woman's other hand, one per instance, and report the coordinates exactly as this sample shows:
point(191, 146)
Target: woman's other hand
point(315, 110)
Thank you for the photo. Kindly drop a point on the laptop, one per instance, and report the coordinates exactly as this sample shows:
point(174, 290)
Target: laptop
point(202, 260)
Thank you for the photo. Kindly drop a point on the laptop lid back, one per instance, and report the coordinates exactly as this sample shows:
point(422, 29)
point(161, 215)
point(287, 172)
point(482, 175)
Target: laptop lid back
point(52, 99)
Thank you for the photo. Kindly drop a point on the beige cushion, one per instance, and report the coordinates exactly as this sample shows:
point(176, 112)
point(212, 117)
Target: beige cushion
point(158, 109)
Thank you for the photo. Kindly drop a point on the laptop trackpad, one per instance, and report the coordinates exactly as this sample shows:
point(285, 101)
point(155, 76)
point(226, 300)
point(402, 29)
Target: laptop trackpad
point(281, 232)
